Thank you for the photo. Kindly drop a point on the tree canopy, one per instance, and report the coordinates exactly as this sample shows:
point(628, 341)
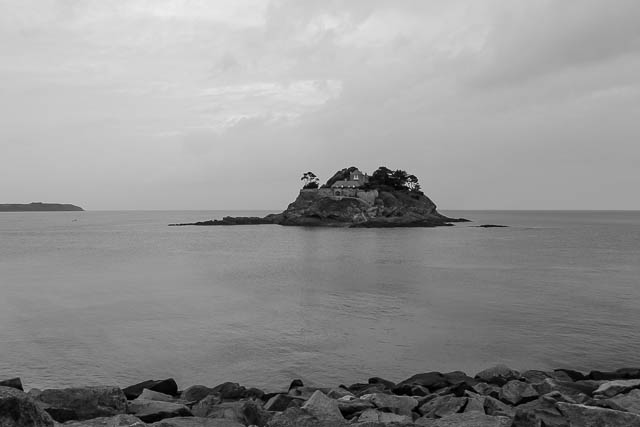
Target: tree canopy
point(310, 180)
point(397, 180)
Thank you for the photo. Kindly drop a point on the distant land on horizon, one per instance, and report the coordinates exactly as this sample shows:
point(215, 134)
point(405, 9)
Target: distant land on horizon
point(39, 207)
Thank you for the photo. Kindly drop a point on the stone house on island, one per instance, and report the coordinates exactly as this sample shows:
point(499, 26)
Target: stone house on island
point(356, 179)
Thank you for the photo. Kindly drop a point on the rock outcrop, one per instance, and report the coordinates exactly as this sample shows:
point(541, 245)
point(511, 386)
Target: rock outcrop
point(39, 207)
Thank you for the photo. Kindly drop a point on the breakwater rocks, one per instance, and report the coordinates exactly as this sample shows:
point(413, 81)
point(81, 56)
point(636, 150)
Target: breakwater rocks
point(495, 397)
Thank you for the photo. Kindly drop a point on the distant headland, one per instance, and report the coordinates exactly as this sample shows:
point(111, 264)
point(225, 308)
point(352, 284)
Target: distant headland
point(39, 207)
point(351, 198)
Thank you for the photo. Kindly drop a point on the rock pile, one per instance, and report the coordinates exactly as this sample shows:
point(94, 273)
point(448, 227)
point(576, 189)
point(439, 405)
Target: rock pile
point(495, 397)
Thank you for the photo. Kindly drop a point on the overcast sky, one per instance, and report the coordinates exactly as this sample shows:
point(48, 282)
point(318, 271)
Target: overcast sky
point(204, 104)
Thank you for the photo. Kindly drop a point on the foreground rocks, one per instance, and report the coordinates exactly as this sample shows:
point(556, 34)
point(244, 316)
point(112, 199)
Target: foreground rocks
point(495, 397)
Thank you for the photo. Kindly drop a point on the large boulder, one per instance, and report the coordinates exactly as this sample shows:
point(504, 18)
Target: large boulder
point(195, 393)
point(629, 402)
point(17, 409)
point(151, 411)
point(13, 383)
point(154, 395)
point(229, 390)
point(168, 386)
point(591, 416)
point(352, 407)
point(611, 388)
point(542, 411)
point(442, 406)
point(196, 422)
point(375, 416)
point(280, 402)
point(297, 417)
point(515, 392)
point(402, 405)
point(499, 375)
point(323, 407)
point(81, 403)
point(122, 420)
point(467, 419)
point(247, 412)
point(431, 380)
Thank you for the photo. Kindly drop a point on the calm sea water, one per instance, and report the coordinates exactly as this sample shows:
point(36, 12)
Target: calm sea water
point(119, 297)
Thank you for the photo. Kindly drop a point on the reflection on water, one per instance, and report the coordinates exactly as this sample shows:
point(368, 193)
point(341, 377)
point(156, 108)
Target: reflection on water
point(118, 297)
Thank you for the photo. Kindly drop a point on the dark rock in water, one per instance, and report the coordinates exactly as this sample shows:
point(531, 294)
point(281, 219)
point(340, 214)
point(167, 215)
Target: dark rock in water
point(591, 416)
point(17, 409)
point(254, 393)
point(574, 375)
point(296, 383)
point(430, 380)
point(122, 420)
point(151, 411)
point(498, 375)
point(279, 402)
point(370, 389)
point(13, 383)
point(230, 390)
point(629, 373)
point(377, 380)
point(85, 402)
point(491, 226)
point(167, 386)
point(230, 220)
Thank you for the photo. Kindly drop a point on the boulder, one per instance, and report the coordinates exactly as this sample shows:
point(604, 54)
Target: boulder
point(196, 422)
point(629, 373)
point(297, 417)
point(349, 408)
point(575, 390)
point(377, 380)
point(306, 392)
point(498, 375)
point(629, 402)
point(442, 406)
point(255, 393)
point(515, 392)
point(322, 407)
point(296, 383)
point(122, 420)
point(202, 408)
point(467, 419)
point(230, 391)
point(279, 402)
point(611, 388)
point(81, 403)
point(167, 386)
point(195, 393)
point(337, 393)
point(487, 390)
point(17, 409)
point(475, 403)
point(375, 416)
point(13, 383)
point(497, 408)
point(573, 375)
point(591, 416)
point(151, 411)
point(154, 395)
point(402, 405)
point(533, 376)
point(430, 380)
point(246, 412)
point(541, 412)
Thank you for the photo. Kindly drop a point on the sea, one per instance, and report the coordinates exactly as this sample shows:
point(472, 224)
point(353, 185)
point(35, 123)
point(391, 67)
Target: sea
point(90, 298)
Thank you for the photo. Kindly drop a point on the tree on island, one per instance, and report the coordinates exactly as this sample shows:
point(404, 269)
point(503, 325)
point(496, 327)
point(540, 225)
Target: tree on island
point(310, 180)
point(396, 180)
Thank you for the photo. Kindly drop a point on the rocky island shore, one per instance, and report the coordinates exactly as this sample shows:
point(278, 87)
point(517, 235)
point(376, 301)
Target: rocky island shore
point(39, 207)
point(495, 397)
point(351, 198)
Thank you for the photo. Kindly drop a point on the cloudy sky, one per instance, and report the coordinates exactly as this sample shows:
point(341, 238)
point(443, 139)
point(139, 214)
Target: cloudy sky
point(205, 104)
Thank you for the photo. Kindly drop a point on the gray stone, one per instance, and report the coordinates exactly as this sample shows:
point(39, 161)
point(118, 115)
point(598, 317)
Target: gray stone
point(442, 406)
point(196, 422)
point(497, 408)
point(279, 402)
point(542, 411)
point(297, 417)
point(17, 409)
point(122, 420)
point(230, 390)
point(375, 416)
point(487, 390)
point(13, 383)
point(402, 405)
point(195, 393)
point(151, 411)
point(306, 392)
point(515, 392)
point(498, 375)
point(247, 412)
point(466, 419)
point(154, 395)
point(611, 388)
point(629, 402)
point(591, 416)
point(475, 402)
point(337, 393)
point(533, 376)
point(202, 408)
point(82, 402)
point(167, 386)
point(322, 407)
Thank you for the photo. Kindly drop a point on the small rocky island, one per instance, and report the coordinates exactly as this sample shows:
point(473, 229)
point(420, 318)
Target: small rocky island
point(351, 198)
point(39, 207)
point(495, 397)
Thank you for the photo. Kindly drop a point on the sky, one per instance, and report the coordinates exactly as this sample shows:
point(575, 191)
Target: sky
point(205, 104)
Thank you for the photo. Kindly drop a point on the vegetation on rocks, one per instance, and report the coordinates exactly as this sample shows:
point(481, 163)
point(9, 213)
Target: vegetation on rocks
point(495, 397)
